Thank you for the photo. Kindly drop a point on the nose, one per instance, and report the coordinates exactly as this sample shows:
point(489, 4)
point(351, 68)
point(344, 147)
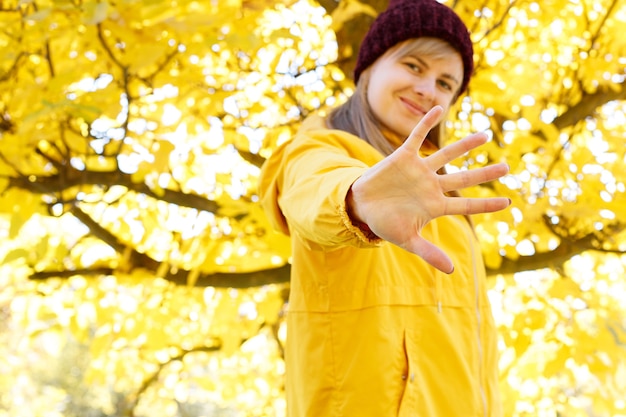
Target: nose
point(425, 87)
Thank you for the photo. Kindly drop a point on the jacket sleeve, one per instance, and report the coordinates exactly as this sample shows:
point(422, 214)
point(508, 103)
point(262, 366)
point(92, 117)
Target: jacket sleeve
point(305, 183)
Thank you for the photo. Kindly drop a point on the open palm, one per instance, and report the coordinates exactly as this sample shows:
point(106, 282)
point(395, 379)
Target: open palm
point(398, 196)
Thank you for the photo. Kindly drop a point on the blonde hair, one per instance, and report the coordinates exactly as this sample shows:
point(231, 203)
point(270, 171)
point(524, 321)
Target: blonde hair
point(355, 115)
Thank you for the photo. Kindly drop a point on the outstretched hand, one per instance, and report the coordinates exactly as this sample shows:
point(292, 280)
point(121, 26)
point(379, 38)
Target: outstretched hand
point(398, 196)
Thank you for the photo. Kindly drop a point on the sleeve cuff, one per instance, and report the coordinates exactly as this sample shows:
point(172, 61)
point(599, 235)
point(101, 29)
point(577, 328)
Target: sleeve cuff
point(361, 230)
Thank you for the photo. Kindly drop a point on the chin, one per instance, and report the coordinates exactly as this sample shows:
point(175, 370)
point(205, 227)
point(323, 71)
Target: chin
point(407, 128)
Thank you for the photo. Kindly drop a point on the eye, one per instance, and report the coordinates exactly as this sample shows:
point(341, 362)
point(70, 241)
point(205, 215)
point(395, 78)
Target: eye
point(412, 65)
point(445, 85)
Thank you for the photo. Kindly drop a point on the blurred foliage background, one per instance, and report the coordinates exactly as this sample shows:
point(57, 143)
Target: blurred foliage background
point(138, 275)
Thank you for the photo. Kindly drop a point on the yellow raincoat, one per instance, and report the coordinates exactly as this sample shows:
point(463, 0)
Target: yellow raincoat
point(373, 330)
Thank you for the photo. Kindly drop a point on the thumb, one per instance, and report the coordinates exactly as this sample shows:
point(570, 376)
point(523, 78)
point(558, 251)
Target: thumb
point(431, 254)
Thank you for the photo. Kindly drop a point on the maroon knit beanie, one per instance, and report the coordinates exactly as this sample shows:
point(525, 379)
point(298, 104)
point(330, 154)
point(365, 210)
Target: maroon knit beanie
point(407, 19)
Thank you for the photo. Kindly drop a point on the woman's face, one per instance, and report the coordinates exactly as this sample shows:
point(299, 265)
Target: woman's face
point(402, 88)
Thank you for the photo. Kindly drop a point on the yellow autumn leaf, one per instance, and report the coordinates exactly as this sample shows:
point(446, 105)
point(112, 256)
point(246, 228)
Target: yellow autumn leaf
point(95, 12)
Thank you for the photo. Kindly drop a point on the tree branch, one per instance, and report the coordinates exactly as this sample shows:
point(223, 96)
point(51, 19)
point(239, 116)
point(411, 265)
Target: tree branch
point(240, 280)
point(553, 259)
point(587, 105)
point(161, 366)
point(177, 276)
point(71, 177)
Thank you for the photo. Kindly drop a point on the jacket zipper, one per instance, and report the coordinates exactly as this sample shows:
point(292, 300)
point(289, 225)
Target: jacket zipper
point(438, 291)
point(438, 275)
point(478, 322)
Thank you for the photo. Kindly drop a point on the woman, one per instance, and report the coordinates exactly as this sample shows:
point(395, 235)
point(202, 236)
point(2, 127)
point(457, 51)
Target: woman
point(388, 311)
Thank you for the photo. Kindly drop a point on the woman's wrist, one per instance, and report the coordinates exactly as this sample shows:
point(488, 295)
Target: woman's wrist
point(352, 210)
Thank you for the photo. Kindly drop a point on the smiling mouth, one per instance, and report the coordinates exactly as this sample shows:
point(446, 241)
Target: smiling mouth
point(413, 108)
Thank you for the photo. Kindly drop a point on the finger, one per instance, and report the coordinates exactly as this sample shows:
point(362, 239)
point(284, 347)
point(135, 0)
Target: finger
point(464, 179)
point(431, 254)
point(461, 205)
point(455, 150)
point(414, 142)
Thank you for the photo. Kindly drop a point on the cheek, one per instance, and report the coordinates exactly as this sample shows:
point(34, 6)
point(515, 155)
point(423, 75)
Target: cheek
point(375, 98)
point(446, 102)
point(379, 83)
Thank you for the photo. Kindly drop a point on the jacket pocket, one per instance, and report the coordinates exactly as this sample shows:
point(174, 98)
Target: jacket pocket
point(409, 402)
